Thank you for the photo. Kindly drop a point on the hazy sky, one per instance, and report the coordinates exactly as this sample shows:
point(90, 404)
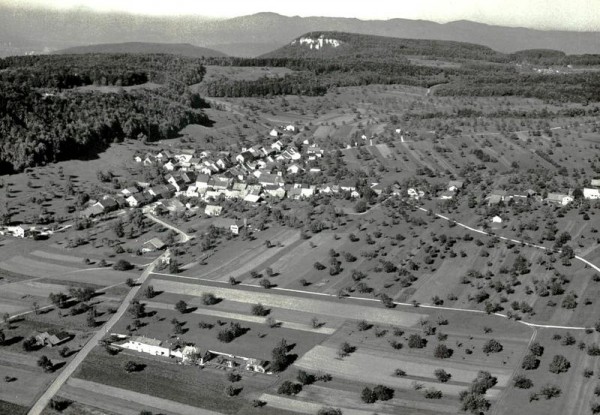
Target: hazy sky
point(551, 14)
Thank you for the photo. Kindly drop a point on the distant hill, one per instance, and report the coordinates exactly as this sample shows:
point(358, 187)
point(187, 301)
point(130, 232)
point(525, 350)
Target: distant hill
point(329, 45)
point(24, 31)
point(184, 49)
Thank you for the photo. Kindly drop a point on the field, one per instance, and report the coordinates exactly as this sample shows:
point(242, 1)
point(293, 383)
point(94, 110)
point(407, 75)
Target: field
point(402, 270)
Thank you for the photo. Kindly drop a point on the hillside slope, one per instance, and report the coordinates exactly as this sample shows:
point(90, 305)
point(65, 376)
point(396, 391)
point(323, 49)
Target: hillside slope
point(183, 49)
point(36, 30)
point(331, 45)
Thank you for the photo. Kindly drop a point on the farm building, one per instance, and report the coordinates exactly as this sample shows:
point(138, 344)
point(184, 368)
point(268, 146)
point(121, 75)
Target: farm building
point(52, 338)
point(146, 345)
point(593, 194)
point(496, 219)
point(595, 182)
point(152, 245)
point(233, 361)
point(559, 198)
point(91, 211)
point(234, 226)
point(22, 231)
point(455, 185)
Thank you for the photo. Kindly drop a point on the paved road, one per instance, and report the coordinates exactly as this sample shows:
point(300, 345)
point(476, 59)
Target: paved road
point(184, 236)
point(69, 369)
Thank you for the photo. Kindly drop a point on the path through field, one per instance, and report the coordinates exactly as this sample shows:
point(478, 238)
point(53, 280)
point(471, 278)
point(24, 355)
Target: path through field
point(69, 369)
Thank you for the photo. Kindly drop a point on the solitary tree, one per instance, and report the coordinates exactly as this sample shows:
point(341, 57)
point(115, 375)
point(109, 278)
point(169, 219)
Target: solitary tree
point(181, 306)
point(45, 363)
point(559, 364)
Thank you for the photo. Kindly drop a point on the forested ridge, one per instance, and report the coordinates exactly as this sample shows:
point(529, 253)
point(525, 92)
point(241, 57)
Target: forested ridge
point(363, 60)
point(45, 118)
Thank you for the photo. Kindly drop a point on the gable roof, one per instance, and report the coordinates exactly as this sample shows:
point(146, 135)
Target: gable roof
point(156, 243)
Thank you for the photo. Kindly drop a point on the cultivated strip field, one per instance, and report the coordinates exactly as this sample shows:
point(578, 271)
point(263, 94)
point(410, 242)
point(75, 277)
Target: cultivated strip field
point(306, 407)
point(340, 309)
point(57, 257)
point(350, 399)
point(243, 317)
point(379, 370)
point(97, 394)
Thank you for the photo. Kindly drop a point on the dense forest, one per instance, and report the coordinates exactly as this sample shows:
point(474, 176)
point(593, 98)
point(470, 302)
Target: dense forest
point(364, 60)
point(44, 117)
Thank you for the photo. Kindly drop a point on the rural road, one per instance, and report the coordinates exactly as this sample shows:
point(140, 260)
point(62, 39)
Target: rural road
point(184, 236)
point(69, 369)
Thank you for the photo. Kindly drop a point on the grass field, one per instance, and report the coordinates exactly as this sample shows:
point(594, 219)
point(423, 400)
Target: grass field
point(337, 309)
point(184, 384)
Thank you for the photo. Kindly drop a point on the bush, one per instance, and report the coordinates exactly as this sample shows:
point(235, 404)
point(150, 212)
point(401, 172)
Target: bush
point(550, 391)
point(289, 388)
point(367, 395)
point(259, 310)
point(305, 378)
point(536, 349)
point(399, 373)
point(131, 366)
point(234, 377)
point(345, 349)
point(29, 344)
point(329, 411)
point(209, 299)
point(530, 362)
point(522, 382)
point(230, 333)
point(492, 346)
point(442, 351)
point(122, 265)
point(415, 341)
point(231, 390)
point(181, 306)
point(432, 393)
point(265, 283)
point(383, 393)
point(442, 375)
point(559, 364)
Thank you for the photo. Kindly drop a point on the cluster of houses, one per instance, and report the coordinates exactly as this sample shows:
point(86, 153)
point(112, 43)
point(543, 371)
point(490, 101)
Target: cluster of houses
point(256, 173)
point(187, 354)
point(562, 199)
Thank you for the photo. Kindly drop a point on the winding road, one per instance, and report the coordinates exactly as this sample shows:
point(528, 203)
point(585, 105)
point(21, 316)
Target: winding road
point(184, 236)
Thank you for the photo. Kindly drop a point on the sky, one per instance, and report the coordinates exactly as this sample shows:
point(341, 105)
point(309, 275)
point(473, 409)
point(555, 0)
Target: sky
point(541, 14)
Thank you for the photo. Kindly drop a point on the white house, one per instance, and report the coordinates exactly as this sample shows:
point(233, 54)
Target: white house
point(290, 128)
point(274, 133)
point(294, 169)
point(169, 166)
point(497, 219)
point(593, 194)
point(559, 198)
point(447, 195)
point(146, 345)
point(213, 210)
point(415, 194)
